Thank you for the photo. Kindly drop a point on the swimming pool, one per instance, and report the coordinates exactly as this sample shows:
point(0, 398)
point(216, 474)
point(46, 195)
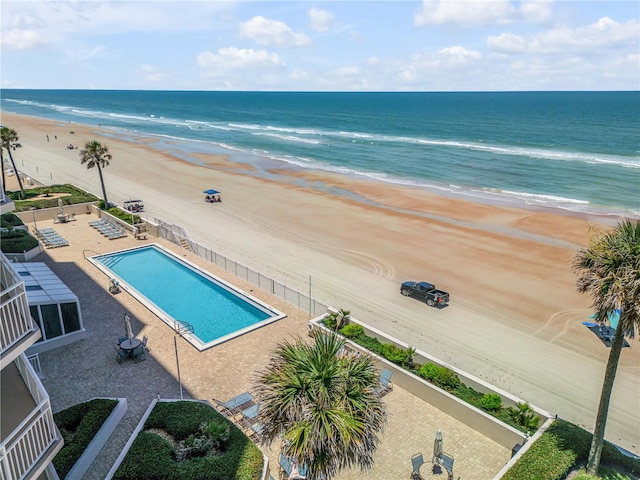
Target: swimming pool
point(175, 289)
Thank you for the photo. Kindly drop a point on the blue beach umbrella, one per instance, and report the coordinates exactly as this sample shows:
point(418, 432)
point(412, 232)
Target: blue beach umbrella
point(614, 318)
point(211, 192)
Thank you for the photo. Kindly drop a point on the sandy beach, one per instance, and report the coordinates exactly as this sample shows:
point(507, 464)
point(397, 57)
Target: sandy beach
point(515, 317)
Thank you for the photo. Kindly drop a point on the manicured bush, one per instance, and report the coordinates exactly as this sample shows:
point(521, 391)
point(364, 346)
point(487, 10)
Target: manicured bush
point(440, 376)
point(17, 241)
point(395, 354)
point(352, 330)
point(78, 425)
point(10, 220)
point(491, 402)
point(129, 218)
point(153, 457)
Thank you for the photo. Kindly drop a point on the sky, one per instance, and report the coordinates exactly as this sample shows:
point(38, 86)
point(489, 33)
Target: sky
point(430, 45)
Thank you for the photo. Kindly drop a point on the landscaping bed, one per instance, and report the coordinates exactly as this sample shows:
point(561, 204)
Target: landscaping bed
point(562, 446)
point(190, 441)
point(14, 239)
point(78, 425)
point(48, 197)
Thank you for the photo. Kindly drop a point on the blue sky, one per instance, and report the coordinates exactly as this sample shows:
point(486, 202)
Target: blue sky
point(434, 45)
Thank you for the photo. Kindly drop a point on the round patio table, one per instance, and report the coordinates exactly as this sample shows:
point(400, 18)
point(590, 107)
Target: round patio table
point(433, 471)
point(130, 344)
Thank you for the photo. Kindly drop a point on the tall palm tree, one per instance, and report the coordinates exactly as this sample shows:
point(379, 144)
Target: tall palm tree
point(609, 271)
point(94, 154)
point(9, 138)
point(321, 401)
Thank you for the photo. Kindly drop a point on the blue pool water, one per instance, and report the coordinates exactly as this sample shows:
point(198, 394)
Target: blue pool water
point(177, 290)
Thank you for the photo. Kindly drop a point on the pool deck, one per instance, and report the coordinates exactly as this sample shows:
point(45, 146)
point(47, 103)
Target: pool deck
point(88, 369)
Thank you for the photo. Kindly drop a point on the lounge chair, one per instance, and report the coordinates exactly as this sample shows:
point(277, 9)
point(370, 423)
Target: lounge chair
point(416, 463)
point(233, 405)
point(384, 382)
point(288, 467)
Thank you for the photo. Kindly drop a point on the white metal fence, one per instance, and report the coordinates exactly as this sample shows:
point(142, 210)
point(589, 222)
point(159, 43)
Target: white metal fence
point(180, 236)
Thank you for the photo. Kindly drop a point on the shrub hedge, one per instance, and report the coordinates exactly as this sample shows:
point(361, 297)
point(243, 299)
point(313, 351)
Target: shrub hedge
point(152, 457)
point(10, 220)
point(78, 425)
point(559, 449)
point(17, 241)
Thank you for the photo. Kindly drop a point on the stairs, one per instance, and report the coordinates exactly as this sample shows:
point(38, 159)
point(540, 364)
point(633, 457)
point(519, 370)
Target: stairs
point(185, 244)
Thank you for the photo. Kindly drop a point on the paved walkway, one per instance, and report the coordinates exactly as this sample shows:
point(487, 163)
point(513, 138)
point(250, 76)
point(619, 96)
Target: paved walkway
point(88, 368)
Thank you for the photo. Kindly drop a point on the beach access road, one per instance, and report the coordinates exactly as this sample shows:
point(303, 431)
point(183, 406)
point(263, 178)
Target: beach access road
point(515, 319)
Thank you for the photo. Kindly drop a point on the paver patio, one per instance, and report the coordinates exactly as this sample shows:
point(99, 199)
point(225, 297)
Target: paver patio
point(87, 369)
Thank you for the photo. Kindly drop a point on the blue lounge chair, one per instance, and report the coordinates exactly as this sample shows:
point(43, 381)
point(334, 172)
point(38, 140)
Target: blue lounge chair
point(233, 405)
point(384, 382)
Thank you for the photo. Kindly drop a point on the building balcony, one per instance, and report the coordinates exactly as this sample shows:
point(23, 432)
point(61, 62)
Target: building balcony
point(29, 438)
point(18, 331)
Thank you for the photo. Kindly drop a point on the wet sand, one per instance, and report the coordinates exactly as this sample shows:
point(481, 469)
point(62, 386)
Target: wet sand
point(515, 317)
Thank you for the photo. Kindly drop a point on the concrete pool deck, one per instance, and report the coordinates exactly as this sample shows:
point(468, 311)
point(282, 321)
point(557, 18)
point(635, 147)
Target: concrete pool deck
point(88, 368)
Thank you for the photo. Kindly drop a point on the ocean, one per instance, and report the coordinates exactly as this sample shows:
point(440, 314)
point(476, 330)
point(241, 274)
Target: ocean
point(576, 151)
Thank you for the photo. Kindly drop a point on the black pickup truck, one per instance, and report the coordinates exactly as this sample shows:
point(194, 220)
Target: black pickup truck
point(426, 292)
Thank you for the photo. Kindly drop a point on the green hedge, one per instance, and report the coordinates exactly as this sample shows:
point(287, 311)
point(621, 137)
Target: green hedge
point(10, 220)
point(558, 449)
point(151, 457)
point(17, 241)
point(78, 425)
point(122, 215)
point(75, 196)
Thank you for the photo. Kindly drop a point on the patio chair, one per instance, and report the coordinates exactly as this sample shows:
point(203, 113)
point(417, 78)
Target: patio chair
point(447, 463)
point(416, 462)
point(384, 382)
point(144, 342)
point(121, 354)
point(138, 353)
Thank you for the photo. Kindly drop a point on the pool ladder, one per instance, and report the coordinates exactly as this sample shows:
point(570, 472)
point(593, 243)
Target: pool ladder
point(181, 327)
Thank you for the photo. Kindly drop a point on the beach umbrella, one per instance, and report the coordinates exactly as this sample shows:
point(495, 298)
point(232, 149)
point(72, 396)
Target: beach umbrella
point(437, 447)
point(127, 326)
point(60, 204)
point(211, 191)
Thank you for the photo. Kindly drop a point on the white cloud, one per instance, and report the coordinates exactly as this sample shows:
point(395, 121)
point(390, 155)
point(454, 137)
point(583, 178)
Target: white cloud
point(321, 20)
point(265, 31)
point(604, 34)
point(348, 72)
point(232, 58)
point(460, 54)
point(476, 13)
point(22, 39)
point(152, 74)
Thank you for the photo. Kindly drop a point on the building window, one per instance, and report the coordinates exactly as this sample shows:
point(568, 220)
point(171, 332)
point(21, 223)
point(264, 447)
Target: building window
point(35, 314)
point(51, 321)
point(70, 317)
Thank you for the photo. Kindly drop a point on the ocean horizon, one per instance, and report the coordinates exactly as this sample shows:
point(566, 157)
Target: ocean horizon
point(573, 151)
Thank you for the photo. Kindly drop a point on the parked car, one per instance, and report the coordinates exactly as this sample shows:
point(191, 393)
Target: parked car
point(427, 292)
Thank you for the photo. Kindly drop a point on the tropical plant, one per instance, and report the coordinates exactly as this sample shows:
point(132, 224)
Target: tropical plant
point(94, 154)
point(322, 403)
point(609, 271)
point(9, 139)
point(524, 416)
point(492, 402)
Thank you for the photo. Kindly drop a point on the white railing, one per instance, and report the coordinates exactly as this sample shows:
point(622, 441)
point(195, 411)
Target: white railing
point(14, 309)
point(24, 447)
point(34, 360)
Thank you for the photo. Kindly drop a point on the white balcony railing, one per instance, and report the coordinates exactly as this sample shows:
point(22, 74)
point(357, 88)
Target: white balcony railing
point(14, 307)
point(30, 440)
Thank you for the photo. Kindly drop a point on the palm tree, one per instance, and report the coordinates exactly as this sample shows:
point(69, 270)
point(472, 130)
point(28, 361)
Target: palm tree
point(609, 271)
point(9, 138)
point(321, 401)
point(95, 154)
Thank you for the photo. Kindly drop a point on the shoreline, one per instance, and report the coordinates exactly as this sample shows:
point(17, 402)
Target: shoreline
point(515, 315)
point(190, 149)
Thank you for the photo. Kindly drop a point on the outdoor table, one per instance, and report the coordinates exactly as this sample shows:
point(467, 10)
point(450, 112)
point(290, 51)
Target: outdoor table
point(130, 344)
point(433, 471)
point(63, 217)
